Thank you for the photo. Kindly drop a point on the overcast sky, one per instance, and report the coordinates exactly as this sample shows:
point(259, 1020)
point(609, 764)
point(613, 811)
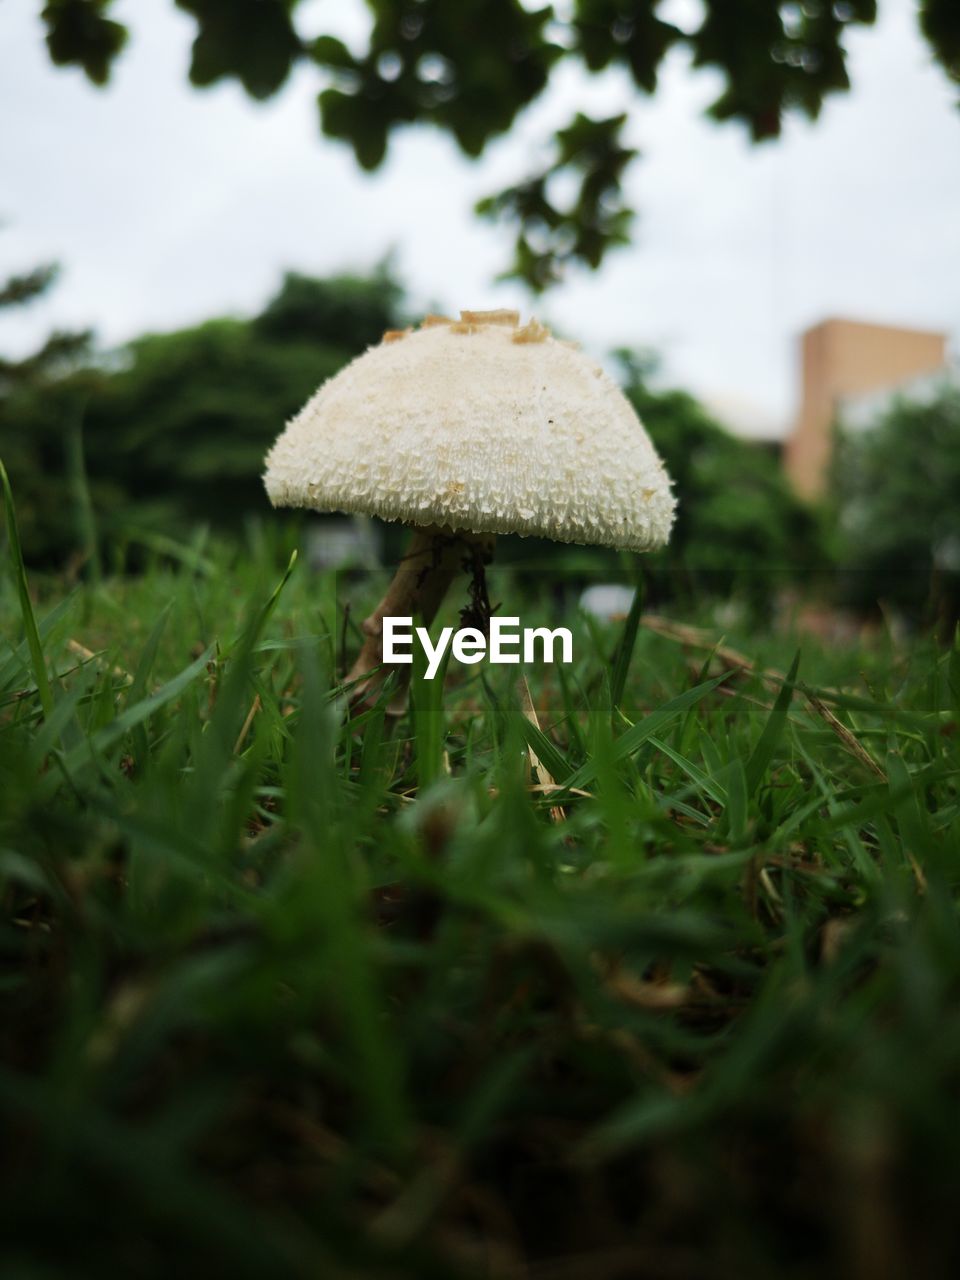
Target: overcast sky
point(167, 205)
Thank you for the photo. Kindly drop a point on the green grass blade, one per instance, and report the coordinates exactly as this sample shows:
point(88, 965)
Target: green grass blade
point(128, 719)
point(707, 783)
point(767, 744)
point(18, 662)
point(76, 468)
point(138, 688)
point(429, 721)
point(163, 545)
point(248, 638)
point(639, 733)
point(44, 688)
point(553, 758)
point(626, 647)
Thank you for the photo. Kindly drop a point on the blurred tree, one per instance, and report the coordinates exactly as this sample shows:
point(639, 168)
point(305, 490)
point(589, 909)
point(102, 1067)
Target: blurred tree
point(60, 349)
point(352, 311)
point(34, 453)
point(738, 523)
point(896, 490)
point(175, 426)
point(472, 66)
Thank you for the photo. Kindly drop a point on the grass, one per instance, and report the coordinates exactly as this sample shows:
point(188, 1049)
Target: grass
point(285, 992)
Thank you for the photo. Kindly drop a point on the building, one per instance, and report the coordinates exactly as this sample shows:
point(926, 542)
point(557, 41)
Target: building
point(844, 362)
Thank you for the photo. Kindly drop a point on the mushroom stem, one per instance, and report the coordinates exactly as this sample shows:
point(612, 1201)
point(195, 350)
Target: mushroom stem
point(433, 559)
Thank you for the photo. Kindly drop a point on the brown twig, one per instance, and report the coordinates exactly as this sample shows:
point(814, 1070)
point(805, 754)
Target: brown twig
point(534, 763)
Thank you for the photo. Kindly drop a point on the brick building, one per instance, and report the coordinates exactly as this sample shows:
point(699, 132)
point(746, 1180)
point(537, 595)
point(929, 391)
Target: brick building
point(845, 361)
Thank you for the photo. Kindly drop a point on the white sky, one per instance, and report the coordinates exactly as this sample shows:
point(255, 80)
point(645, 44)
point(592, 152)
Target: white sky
point(167, 205)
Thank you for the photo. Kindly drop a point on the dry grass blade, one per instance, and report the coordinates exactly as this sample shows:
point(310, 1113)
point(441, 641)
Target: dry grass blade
point(648, 995)
point(544, 788)
point(242, 735)
point(87, 655)
point(852, 744)
point(419, 1200)
point(698, 638)
point(535, 764)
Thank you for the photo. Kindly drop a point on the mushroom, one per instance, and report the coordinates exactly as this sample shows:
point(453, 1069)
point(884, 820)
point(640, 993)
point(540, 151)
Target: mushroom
point(463, 430)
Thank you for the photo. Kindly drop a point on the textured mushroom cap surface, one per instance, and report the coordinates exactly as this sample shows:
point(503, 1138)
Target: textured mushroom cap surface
point(486, 427)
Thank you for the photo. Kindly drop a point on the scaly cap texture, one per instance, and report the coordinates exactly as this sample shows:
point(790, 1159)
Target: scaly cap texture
point(479, 424)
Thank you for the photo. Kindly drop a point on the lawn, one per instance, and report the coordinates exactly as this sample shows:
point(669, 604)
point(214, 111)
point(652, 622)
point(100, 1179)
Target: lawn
point(665, 984)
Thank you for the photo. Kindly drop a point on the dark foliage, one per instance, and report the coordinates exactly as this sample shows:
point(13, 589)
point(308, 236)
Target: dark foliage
point(171, 432)
point(28, 381)
point(895, 488)
point(470, 68)
point(79, 33)
point(738, 522)
point(17, 290)
point(175, 427)
point(551, 237)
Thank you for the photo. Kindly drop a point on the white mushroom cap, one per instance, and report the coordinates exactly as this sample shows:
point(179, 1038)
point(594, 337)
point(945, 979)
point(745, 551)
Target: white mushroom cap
point(479, 425)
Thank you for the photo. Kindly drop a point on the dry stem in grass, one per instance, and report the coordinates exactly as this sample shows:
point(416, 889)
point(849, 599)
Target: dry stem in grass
point(698, 638)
